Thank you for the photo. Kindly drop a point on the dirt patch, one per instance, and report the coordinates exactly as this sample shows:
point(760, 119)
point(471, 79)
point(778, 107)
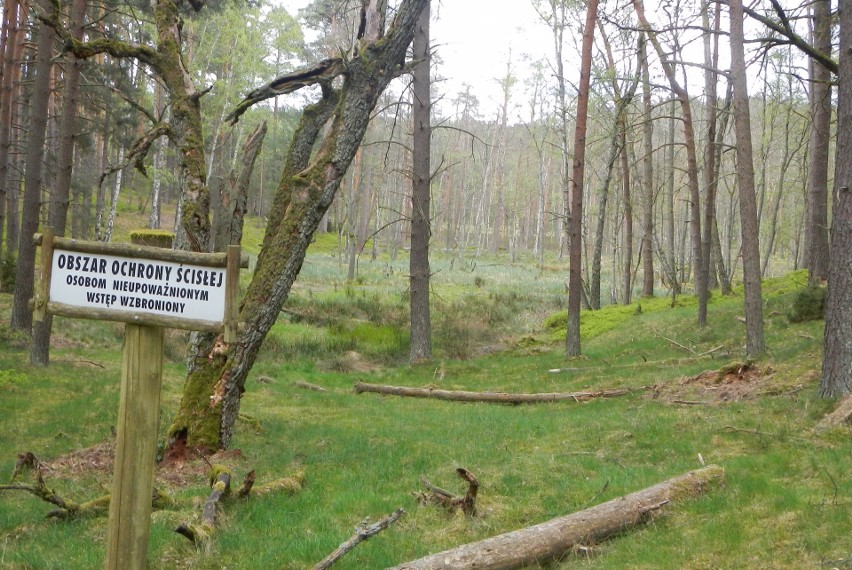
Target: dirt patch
point(173, 473)
point(732, 383)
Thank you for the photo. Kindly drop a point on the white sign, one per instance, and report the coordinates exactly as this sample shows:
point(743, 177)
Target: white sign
point(138, 286)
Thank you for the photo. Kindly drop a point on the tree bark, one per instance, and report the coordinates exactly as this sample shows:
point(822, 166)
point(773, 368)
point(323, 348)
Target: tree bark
point(837, 362)
point(58, 214)
point(22, 316)
point(755, 343)
point(554, 539)
point(421, 228)
point(647, 247)
point(575, 221)
point(216, 379)
point(233, 195)
point(816, 230)
point(8, 47)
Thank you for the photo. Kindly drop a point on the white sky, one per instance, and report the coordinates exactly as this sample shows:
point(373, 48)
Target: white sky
point(474, 39)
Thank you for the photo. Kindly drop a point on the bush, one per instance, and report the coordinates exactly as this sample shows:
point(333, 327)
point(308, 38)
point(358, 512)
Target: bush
point(808, 305)
point(7, 274)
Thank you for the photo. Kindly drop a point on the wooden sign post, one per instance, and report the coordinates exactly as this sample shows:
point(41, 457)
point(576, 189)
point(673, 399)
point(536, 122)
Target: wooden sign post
point(148, 289)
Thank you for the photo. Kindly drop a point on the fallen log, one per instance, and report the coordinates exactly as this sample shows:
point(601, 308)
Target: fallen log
point(554, 539)
point(362, 532)
point(486, 397)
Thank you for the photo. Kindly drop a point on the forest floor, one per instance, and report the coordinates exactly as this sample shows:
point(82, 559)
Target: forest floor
point(693, 399)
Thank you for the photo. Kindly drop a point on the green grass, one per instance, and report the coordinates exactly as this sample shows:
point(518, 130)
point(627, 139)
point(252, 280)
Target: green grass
point(786, 501)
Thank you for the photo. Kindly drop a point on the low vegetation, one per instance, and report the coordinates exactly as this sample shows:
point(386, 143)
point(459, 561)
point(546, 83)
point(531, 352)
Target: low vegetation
point(786, 501)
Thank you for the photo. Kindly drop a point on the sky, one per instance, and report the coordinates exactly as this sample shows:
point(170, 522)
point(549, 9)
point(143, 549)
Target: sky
point(474, 40)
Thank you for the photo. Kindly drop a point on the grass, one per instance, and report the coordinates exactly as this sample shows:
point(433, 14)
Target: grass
point(786, 502)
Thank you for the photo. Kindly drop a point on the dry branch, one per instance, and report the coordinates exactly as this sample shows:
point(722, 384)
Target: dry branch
point(487, 397)
point(220, 487)
point(362, 532)
point(66, 508)
point(554, 539)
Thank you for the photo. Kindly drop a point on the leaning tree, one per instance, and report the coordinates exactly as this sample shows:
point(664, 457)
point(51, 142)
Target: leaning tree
point(324, 144)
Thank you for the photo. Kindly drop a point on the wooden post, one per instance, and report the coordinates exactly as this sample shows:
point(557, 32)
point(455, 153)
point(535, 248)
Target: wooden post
point(135, 448)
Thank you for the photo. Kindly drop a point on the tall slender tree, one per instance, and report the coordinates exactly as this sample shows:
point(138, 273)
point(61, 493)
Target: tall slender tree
point(22, 316)
point(755, 343)
point(816, 229)
point(575, 220)
point(421, 227)
point(691, 162)
point(837, 361)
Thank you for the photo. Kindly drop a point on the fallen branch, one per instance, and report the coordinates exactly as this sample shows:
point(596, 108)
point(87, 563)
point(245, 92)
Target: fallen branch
point(220, 485)
point(554, 539)
point(486, 397)
point(66, 508)
point(308, 386)
point(362, 532)
point(674, 342)
point(439, 496)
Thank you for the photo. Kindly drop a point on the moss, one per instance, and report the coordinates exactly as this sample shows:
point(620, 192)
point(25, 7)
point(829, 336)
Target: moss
point(197, 422)
point(216, 471)
point(152, 237)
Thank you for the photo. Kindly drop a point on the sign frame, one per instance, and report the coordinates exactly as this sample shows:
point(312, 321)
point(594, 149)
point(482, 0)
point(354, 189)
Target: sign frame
point(231, 262)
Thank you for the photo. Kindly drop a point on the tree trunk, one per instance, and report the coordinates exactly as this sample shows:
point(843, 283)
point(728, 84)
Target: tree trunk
point(22, 316)
point(816, 230)
point(691, 164)
point(647, 248)
point(755, 344)
point(554, 539)
point(58, 217)
point(837, 363)
point(8, 47)
point(421, 231)
point(627, 243)
point(711, 180)
point(575, 221)
point(234, 193)
point(216, 379)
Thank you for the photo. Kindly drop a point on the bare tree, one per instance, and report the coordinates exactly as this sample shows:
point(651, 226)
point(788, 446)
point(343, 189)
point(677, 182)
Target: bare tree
point(575, 220)
point(755, 344)
point(691, 162)
point(421, 228)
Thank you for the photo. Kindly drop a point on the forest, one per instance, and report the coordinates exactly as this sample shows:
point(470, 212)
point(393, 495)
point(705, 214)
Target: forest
point(653, 219)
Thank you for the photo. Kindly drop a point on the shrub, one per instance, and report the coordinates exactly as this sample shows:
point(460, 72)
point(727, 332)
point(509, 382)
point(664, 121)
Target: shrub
point(808, 305)
point(7, 274)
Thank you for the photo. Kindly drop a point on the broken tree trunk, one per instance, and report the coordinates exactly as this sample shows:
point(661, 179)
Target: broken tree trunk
point(466, 503)
point(554, 539)
point(488, 397)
